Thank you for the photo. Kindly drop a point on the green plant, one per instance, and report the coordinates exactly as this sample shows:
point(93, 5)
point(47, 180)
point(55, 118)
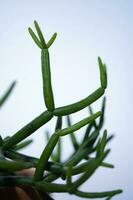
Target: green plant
point(49, 167)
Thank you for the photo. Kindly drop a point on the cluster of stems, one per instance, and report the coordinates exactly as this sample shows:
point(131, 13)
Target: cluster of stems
point(88, 154)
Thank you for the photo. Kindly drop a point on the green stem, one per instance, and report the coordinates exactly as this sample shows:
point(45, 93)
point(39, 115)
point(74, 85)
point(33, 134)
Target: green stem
point(75, 107)
point(103, 73)
point(93, 195)
point(20, 157)
point(90, 169)
point(79, 124)
point(13, 165)
point(72, 136)
point(22, 145)
point(51, 187)
point(35, 38)
point(9, 181)
point(51, 177)
point(91, 113)
point(101, 120)
point(28, 129)
point(41, 166)
point(52, 39)
point(47, 85)
point(39, 32)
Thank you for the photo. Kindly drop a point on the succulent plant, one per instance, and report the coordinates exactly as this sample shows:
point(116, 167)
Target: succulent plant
point(88, 155)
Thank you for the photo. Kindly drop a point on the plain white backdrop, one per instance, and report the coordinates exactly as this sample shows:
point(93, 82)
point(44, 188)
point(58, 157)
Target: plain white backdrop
point(86, 30)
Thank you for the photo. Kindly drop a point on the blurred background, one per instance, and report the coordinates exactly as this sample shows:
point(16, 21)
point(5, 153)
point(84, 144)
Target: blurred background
point(86, 30)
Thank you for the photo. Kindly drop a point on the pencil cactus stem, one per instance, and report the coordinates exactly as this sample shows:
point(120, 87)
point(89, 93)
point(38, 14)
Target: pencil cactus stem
point(11, 166)
point(46, 76)
point(101, 144)
point(72, 136)
point(91, 113)
point(78, 125)
point(28, 129)
point(41, 166)
point(94, 195)
point(75, 107)
point(35, 38)
point(101, 119)
point(52, 39)
point(51, 187)
point(22, 145)
point(92, 166)
point(40, 35)
point(103, 73)
point(59, 143)
point(69, 176)
point(58, 123)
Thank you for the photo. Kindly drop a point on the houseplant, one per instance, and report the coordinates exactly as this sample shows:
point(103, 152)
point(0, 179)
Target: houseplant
point(49, 167)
